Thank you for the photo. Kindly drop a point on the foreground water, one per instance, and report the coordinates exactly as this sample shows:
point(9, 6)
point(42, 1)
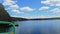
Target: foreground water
point(39, 27)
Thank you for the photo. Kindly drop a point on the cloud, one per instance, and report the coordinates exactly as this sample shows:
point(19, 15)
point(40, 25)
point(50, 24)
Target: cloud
point(51, 2)
point(8, 2)
point(44, 8)
point(12, 6)
point(55, 10)
point(16, 11)
point(32, 17)
point(26, 9)
point(37, 17)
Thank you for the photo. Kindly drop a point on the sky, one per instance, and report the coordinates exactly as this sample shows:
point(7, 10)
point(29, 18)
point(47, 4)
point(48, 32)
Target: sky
point(32, 8)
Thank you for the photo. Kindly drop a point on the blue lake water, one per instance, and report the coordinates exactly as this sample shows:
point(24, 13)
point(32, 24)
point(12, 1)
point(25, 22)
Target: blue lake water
point(39, 27)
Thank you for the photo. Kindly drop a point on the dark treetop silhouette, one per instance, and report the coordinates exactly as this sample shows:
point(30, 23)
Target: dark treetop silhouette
point(4, 16)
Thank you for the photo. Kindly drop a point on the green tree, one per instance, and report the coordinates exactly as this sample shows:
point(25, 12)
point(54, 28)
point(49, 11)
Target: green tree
point(4, 16)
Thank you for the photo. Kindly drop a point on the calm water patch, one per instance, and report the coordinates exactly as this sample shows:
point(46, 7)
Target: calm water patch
point(39, 27)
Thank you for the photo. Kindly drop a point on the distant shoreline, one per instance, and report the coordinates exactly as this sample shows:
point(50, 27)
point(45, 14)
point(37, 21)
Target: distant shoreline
point(23, 19)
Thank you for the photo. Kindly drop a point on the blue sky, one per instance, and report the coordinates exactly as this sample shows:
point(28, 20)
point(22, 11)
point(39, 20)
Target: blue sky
point(32, 8)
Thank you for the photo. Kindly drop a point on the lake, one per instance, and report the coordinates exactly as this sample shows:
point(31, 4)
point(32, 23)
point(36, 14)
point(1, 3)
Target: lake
point(38, 27)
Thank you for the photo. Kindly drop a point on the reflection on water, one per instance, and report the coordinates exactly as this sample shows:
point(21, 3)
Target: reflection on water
point(39, 27)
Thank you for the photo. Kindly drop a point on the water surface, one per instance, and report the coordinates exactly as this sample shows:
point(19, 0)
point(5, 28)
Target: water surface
point(39, 27)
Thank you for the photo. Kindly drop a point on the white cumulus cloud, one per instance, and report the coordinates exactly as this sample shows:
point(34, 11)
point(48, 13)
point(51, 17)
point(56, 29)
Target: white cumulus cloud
point(44, 8)
point(8, 2)
point(51, 2)
point(12, 5)
point(26, 9)
point(55, 10)
point(16, 11)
